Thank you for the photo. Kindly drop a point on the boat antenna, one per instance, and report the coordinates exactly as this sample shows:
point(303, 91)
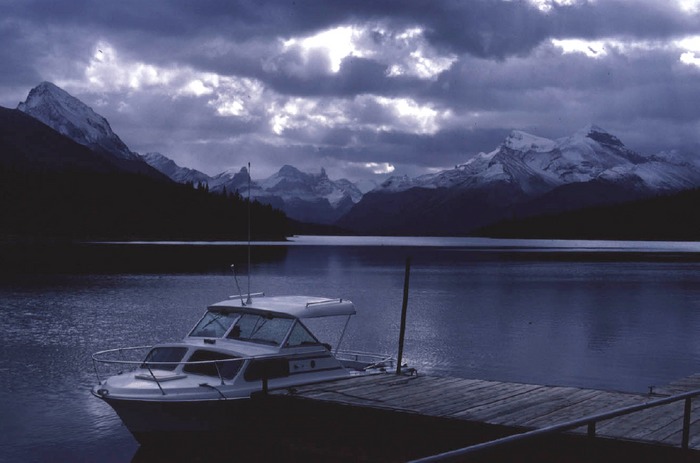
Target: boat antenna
point(235, 278)
point(248, 301)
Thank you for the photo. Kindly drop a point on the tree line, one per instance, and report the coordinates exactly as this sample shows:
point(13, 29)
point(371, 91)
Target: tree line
point(118, 206)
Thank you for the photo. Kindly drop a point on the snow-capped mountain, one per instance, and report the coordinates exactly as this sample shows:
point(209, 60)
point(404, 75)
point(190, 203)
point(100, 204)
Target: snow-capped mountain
point(302, 196)
point(289, 182)
point(524, 176)
point(233, 180)
point(71, 117)
point(179, 174)
point(30, 146)
point(537, 165)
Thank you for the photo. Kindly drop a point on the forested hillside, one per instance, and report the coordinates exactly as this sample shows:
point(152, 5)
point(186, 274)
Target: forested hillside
point(673, 218)
point(52, 187)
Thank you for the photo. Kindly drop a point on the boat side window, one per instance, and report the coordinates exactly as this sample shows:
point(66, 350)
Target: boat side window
point(171, 355)
point(300, 336)
point(214, 324)
point(228, 367)
point(260, 329)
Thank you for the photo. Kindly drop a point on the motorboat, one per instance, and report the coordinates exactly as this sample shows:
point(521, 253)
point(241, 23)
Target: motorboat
point(238, 350)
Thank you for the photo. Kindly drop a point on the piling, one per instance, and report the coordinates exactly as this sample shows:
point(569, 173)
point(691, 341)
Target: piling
point(404, 308)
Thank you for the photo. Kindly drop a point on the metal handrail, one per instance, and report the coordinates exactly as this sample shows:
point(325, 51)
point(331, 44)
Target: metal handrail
point(589, 421)
point(148, 364)
point(325, 301)
point(378, 359)
point(96, 355)
point(374, 359)
point(366, 354)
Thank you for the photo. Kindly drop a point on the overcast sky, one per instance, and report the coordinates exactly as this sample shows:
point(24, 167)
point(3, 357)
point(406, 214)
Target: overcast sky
point(364, 87)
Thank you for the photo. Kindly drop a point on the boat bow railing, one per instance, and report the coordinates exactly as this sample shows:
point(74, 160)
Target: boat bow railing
point(99, 358)
point(118, 358)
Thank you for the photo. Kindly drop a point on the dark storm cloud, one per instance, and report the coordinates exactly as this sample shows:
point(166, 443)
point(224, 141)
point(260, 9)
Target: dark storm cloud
point(645, 19)
point(356, 76)
point(19, 69)
point(146, 120)
point(280, 101)
point(615, 87)
point(447, 147)
point(484, 28)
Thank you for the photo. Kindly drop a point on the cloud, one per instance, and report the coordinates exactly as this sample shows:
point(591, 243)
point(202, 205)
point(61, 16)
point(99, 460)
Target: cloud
point(364, 86)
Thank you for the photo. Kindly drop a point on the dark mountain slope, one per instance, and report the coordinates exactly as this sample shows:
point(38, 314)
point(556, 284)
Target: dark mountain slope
point(53, 187)
point(422, 211)
point(574, 196)
point(675, 218)
point(29, 145)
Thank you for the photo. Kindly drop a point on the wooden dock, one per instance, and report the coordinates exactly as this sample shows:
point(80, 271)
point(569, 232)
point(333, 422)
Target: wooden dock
point(514, 407)
point(690, 383)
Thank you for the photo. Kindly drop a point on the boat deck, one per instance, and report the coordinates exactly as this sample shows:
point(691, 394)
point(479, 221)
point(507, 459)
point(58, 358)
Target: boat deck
point(519, 407)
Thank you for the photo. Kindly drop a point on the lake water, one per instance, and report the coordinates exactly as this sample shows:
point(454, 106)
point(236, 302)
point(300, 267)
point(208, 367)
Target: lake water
point(610, 315)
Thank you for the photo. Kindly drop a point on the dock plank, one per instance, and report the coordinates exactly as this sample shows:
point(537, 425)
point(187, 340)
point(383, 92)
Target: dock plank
point(514, 405)
point(438, 395)
point(597, 402)
point(672, 432)
point(462, 405)
point(554, 401)
point(644, 423)
point(457, 401)
point(492, 411)
point(416, 390)
point(687, 384)
point(355, 385)
point(411, 391)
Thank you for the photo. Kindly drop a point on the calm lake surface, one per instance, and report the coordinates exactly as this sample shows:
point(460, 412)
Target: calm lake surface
point(610, 315)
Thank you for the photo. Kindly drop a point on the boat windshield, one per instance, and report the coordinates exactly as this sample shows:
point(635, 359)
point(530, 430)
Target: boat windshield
point(214, 324)
point(300, 336)
point(261, 329)
point(169, 355)
point(226, 368)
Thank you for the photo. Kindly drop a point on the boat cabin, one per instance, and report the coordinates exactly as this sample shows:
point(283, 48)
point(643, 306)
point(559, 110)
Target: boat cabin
point(269, 331)
point(275, 321)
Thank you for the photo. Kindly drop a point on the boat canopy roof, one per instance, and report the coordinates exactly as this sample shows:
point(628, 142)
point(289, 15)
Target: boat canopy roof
point(289, 306)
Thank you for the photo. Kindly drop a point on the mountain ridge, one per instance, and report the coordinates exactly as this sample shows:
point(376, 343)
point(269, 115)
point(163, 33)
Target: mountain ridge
point(524, 176)
point(54, 189)
point(69, 116)
point(303, 196)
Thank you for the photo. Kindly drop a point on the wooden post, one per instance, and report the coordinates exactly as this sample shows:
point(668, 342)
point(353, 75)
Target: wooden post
point(404, 306)
point(591, 429)
point(686, 423)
